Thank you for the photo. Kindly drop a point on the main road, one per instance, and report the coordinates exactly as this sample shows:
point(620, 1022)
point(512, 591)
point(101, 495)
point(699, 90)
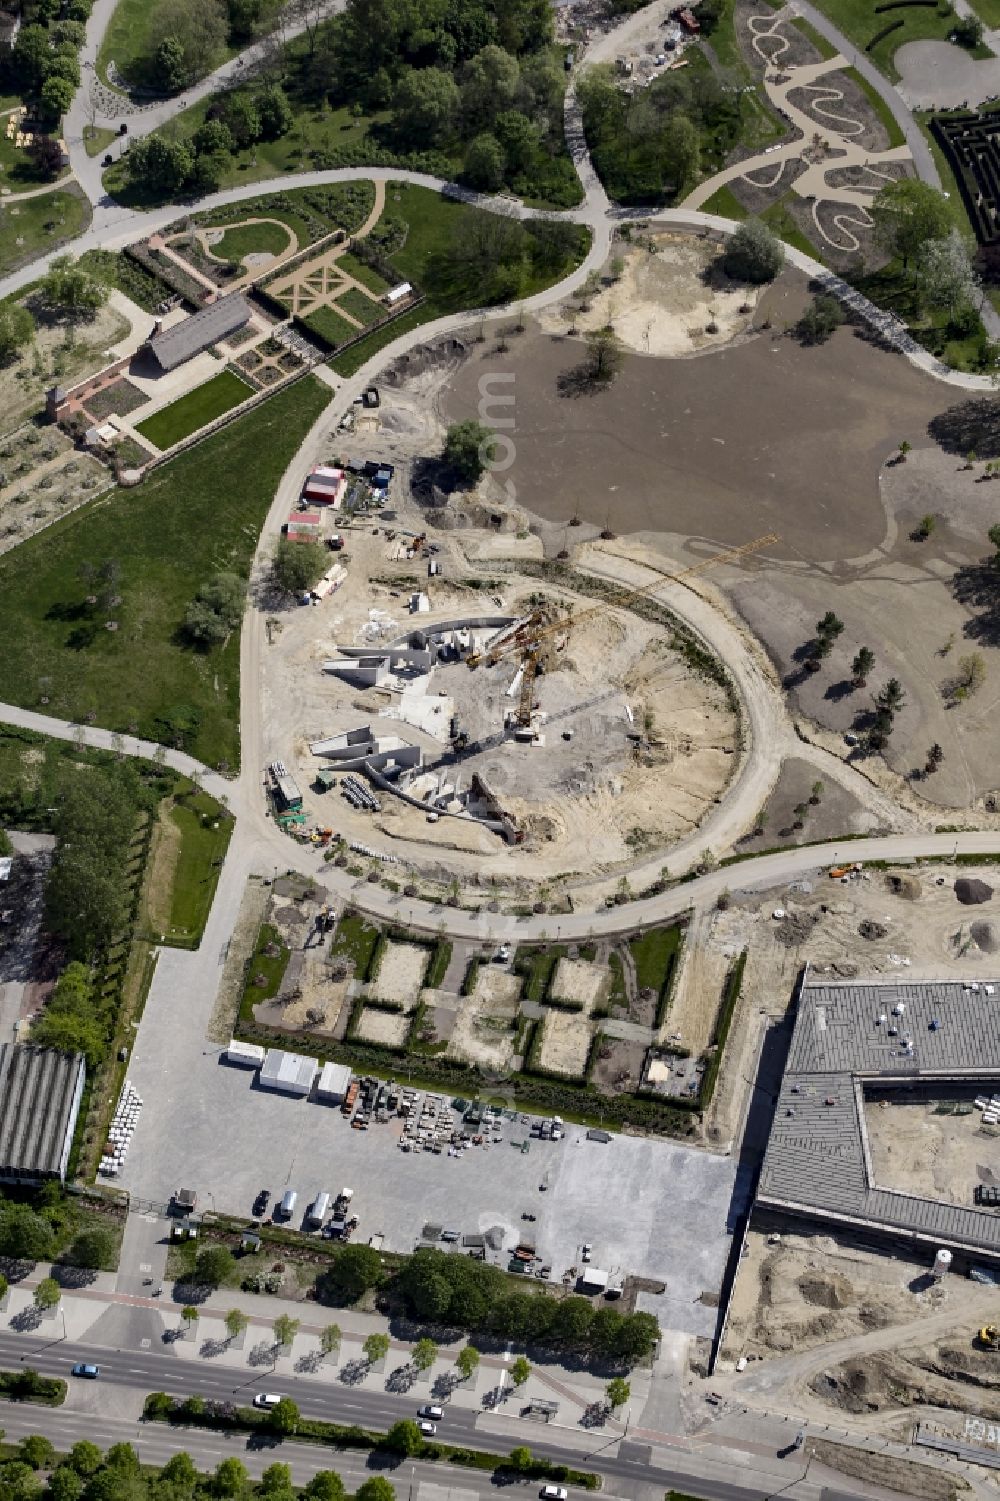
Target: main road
point(636, 1470)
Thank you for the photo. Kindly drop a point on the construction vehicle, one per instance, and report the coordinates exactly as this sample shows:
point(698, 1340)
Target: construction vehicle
point(529, 637)
point(840, 871)
point(988, 1337)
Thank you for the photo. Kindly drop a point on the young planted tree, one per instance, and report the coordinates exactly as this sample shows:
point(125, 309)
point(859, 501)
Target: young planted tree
point(376, 1348)
point(892, 697)
point(901, 452)
point(467, 1361)
point(468, 451)
point(236, 1322)
point(935, 756)
point(618, 1392)
point(285, 1329)
point(520, 1371)
point(47, 1294)
point(423, 1354)
point(329, 1339)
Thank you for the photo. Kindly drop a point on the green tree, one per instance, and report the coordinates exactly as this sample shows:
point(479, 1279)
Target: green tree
point(572, 1321)
point(216, 610)
point(213, 136)
point(330, 1338)
point(404, 1437)
point(56, 98)
point(94, 1249)
point(276, 1483)
point(17, 329)
point(425, 106)
point(4, 1287)
point(375, 1489)
point(423, 1354)
point(18, 1482)
point(637, 1336)
point(84, 1457)
point(469, 447)
point(189, 1314)
point(906, 214)
point(157, 1406)
point(180, 1471)
point(64, 1484)
point(485, 164)
point(521, 1457)
point(892, 697)
point(69, 288)
point(283, 1417)
point(862, 665)
point(276, 114)
point(242, 116)
point(821, 318)
point(467, 1361)
point(36, 1451)
point(489, 86)
point(159, 165)
point(753, 253)
point(230, 1478)
point(604, 355)
point(608, 1321)
point(198, 27)
point(376, 1348)
point(518, 138)
point(520, 1371)
point(285, 1329)
point(47, 1293)
point(30, 57)
point(325, 1485)
point(944, 273)
point(618, 1392)
point(214, 1266)
point(295, 568)
point(236, 1323)
point(169, 66)
point(967, 31)
point(680, 145)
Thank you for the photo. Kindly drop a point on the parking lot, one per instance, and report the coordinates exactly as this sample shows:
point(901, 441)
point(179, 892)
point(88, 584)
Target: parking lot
point(650, 1208)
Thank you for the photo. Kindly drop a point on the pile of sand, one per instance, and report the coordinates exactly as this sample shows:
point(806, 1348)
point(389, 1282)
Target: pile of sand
point(971, 892)
point(986, 936)
point(901, 884)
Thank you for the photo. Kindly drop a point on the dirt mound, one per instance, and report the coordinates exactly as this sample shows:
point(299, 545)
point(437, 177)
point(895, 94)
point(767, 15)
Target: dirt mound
point(826, 1290)
point(872, 930)
point(971, 892)
point(904, 885)
point(986, 936)
point(794, 928)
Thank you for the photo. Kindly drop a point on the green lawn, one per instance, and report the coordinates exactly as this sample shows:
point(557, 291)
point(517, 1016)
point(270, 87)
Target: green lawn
point(432, 222)
point(35, 226)
point(857, 20)
point(725, 203)
point(988, 12)
point(879, 106)
point(201, 831)
point(127, 41)
point(363, 273)
point(328, 323)
point(97, 139)
point(537, 965)
point(779, 218)
point(251, 239)
point(653, 953)
point(355, 939)
point(197, 515)
point(265, 971)
point(359, 305)
point(199, 407)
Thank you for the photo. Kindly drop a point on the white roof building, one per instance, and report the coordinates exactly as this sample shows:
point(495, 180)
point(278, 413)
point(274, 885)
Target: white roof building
point(291, 1073)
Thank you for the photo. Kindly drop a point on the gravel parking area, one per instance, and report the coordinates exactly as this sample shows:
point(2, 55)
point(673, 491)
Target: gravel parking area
point(238, 1139)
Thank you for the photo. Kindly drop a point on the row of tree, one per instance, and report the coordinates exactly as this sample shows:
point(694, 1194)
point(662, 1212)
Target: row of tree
point(85, 1474)
point(164, 164)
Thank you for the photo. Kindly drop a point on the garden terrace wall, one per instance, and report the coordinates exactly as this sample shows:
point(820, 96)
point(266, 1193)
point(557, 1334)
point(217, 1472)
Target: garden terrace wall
point(76, 397)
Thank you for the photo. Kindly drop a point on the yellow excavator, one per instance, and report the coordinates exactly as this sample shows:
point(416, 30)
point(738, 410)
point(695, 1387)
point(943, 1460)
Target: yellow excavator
point(988, 1337)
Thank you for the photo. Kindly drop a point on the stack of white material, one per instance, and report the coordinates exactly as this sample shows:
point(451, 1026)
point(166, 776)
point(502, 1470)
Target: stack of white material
point(123, 1124)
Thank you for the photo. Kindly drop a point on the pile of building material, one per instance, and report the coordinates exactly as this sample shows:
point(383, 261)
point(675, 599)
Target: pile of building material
point(123, 1124)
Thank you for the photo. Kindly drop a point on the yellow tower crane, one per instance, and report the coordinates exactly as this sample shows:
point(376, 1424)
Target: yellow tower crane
point(530, 636)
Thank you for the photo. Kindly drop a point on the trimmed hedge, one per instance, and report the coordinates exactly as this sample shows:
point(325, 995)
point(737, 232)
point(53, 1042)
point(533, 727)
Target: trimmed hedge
point(880, 36)
point(198, 1412)
point(26, 1385)
point(723, 1022)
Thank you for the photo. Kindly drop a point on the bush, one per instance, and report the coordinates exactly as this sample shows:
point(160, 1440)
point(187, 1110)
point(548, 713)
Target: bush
point(753, 253)
point(821, 318)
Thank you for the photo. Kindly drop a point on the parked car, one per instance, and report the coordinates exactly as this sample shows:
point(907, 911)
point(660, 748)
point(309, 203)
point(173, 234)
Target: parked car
point(90, 1372)
point(267, 1400)
point(554, 1493)
point(427, 1429)
point(429, 1410)
point(261, 1202)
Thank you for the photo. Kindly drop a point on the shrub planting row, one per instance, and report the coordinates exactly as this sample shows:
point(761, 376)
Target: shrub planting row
point(27, 1385)
point(880, 36)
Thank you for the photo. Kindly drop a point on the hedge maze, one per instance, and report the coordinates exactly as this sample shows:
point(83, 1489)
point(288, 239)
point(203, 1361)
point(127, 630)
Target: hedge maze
point(971, 143)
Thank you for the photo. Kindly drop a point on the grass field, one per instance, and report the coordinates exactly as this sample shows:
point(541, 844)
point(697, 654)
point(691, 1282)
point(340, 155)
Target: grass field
point(97, 139)
point(128, 40)
point(725, 203)
point(199, 407)
point(195, 516)
point(363, 273)
point(328, 323)
point(41, 224)
point(190, 844)
point(360, 306)
point(250, 239)
point(988, 12)
point(857, 20)
point(432, 223)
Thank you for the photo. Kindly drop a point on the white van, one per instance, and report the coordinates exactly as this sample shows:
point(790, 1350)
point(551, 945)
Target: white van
point(286, 1208)
point(317, 1210)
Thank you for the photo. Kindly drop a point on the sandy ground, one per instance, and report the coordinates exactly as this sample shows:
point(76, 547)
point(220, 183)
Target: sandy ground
point(577, 980)
point(485, 1021)
point(401, 973)
point(386, 1027)
point(565, 1043)
point(714, 939)
point(669, 301)
point(917, 1151)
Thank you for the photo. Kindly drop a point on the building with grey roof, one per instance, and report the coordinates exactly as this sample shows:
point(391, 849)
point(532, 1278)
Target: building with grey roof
point(40, 1094)
point(204, 328)
point(898, 1038)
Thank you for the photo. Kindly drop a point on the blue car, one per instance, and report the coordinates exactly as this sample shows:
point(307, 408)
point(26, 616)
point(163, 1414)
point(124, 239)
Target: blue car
point(91, 1372)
